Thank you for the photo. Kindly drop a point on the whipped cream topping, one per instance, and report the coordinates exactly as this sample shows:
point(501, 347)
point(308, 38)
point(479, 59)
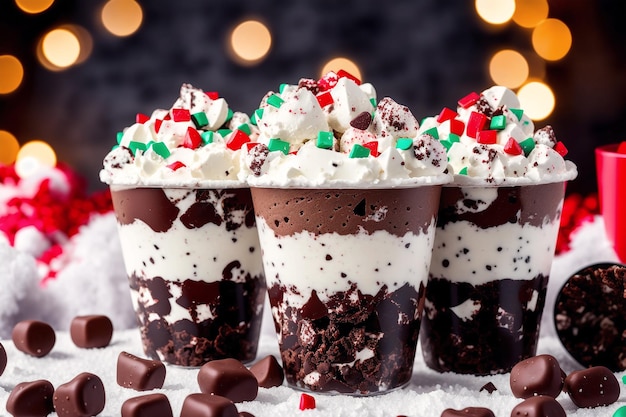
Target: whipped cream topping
point(333, 132)
point(196, 143)
point(491, 141)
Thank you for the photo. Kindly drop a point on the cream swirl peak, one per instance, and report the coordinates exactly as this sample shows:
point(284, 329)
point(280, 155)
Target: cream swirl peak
point(196, 143)
point(333, 132)
point(491, 140)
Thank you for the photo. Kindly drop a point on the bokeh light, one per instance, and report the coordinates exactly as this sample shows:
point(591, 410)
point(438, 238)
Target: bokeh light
point(11, 73)
point(34, 6)
point(122, 17)
point(60, 47)
point(508, 68)
point(537, 100)
point(32, 156)
point(84, 39)
point(529, 13)
point(495, 12)
point(342, 63)
point(8, 148)
point(552, 39)
point(250, 42)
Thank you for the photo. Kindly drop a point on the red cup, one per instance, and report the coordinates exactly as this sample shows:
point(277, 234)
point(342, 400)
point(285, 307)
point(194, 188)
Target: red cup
point(611, 171)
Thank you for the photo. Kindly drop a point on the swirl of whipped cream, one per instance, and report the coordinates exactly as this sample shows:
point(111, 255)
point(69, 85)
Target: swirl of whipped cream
point(491, 141)
point(332, 133)
point(196, 143)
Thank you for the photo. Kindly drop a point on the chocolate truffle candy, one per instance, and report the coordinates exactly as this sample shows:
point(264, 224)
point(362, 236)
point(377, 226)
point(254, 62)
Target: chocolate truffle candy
point(33, 337)
point(592, 387)
point(228, 378)
point(268, 372)
point(93, 331)
point(589, 318)
point(30, 399)
point(538, 406)
point(151, 405)
point(3, 359)
point(468, 412)
point(83, 396)
point(539, 375)
point(138, 373)
point(202, 405)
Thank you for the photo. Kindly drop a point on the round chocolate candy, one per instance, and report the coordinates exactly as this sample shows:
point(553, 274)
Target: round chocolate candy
point(93, 331)
point(83, 396)
point(539, 406)
point(33, 337)
point(589, 316)
point(228, 378)
point(539, 375)
point(592, 387)
point(32, 398)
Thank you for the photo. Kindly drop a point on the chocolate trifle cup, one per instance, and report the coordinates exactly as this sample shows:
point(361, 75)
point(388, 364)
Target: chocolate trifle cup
point(488, 278)
point(195, 271)
point(346, 271)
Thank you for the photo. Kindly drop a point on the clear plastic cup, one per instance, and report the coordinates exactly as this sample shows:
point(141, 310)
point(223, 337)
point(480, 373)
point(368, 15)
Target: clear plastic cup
point(195, 271)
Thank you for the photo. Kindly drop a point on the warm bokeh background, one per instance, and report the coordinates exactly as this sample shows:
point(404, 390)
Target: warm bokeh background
point(74, 72)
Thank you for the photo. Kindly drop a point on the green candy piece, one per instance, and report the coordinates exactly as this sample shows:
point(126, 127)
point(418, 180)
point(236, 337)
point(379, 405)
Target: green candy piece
point(518, 112)
point(281, 88)
point(527, 145)
point(498, 122)
point(224, 132)
point(160, 148)
point(120, 135)
point(256, 116)
point(620, 412)
point(244, 128)
point(453, 137)
point(200, 119)
point(359, 151)
point(137, 146)
point(432, 132)
point(276, 144)
point(373, 101)
point(275, 101)
point(324, 140)
point(229, 116)
point(463, 171)
point(404, 143)
point(446, 143)
point(207, 137)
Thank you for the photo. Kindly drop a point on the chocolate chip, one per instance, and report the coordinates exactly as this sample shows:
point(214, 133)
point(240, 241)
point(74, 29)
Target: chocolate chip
point(538, 406)
point(33, 337)
point(228, 378)
point(362, 121)
point(138, 373)
point(268, 372)
point(539, 375)
point(83, 396)
point(489, 387)
point(151, 405)
point(3, 359)
point(468, 412)
point(30, 399)
point(92, 331)
point(592, 387)
point(202, 405)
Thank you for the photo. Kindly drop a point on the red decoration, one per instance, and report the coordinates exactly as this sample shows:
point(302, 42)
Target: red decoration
point(176, 165)
point(469, 100)
point(457, 127)
point(157, 125)
point(328, 81)
point(213, 95)
point(512, 147)
point(307, 402)
point(237, 139)
point(622, 147)
point(324, 99)
point(343, 73)
point(373, 147)
point(446, 114)
point(192, 138)
point(560, 149)
point(181, 115)
point(577, 210)
point(476, 123)
point(487, 137)
point(141, 118)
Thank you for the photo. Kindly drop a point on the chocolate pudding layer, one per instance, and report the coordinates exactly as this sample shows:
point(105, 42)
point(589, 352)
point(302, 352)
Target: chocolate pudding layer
point(195, 271)
point(346, 276)
point(487, 283)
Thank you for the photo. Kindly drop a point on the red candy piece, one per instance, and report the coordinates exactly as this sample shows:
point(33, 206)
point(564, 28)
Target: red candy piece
point(237, 139)
point(181, 115)
point(512, 147)
point(446, 114)
point(192, 138)
point(622, 147)
point(157, 125)
point(141, 118)
point(560, 148)
point(176, 165)
point(250, 145)
point(213, 95)
point(469, 100)
point(373, 147)
point(346, 74)
point(476, 123)
point(307, 402)
point(328, 81)
point(457, 127)
point(324, 99)
point(487, 137)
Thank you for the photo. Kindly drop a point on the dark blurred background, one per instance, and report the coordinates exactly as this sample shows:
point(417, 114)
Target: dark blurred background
point(425, 54)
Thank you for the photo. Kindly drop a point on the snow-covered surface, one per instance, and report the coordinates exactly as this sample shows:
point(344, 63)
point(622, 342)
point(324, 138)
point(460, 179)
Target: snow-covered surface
point(81, 290)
